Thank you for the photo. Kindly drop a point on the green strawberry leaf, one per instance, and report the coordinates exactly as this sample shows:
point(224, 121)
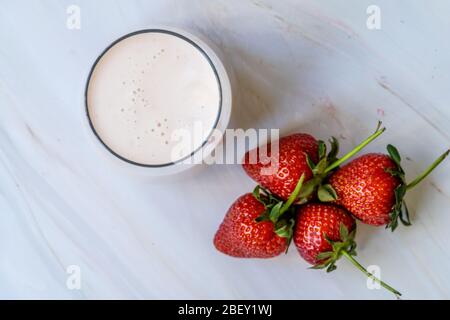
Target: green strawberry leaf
point(320, 173)
point(285, 229)
point(346, 245)
point(307, 189)
point(343, 232)
point(352, 249)
point(404, 216)
point(331, 267)
point(320, 167)
point(275, 213)
point(352, 235)
point(275, 208)
point(310, 163)
point(257, 194)
point(394, 154)
point(324, 255)
point(322, 149)
point(270, 202)
point(399, 210)
point(396, 173)
point(332, 155)
point(326, 193)
point(328, 239)
point(393, 222)
point(400, 192)
point(291, 233)
point(264, 197)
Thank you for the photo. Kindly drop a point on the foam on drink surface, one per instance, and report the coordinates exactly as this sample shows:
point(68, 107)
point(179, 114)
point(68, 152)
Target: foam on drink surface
point(146, 88)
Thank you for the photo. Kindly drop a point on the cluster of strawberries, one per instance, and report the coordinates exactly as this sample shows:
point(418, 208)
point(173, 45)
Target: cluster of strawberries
point(311, 199)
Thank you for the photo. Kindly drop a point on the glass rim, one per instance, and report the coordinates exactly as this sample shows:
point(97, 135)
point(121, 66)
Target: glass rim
point(172, 33)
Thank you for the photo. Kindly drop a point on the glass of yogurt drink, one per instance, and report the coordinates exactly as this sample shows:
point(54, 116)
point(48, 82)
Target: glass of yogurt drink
point(155, 98)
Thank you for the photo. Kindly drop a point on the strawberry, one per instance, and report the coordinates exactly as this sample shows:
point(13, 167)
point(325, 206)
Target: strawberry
point(291, 160)
point(258, 225)
point(372, 188)
point(324, 233)
point(366, 189)
point(240, 235)
point(313, 222)
point(280, 167)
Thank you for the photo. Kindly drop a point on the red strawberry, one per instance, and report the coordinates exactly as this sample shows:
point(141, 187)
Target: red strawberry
point(279, 168)
point(240, 235)
point(366, 189)
point(324, 233)
point(313, 222)
point(372, 188)
point(292, 163)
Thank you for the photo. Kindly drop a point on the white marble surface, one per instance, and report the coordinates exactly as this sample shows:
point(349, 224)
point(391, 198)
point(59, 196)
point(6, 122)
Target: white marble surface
point(301, 65)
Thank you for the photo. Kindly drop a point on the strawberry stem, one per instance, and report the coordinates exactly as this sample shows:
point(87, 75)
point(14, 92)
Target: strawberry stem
point(424, 174)
point(368, 274)
point(357, 149)
point(293, 195)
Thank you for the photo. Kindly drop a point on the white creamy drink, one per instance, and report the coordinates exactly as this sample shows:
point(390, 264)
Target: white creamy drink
point(144, 88)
